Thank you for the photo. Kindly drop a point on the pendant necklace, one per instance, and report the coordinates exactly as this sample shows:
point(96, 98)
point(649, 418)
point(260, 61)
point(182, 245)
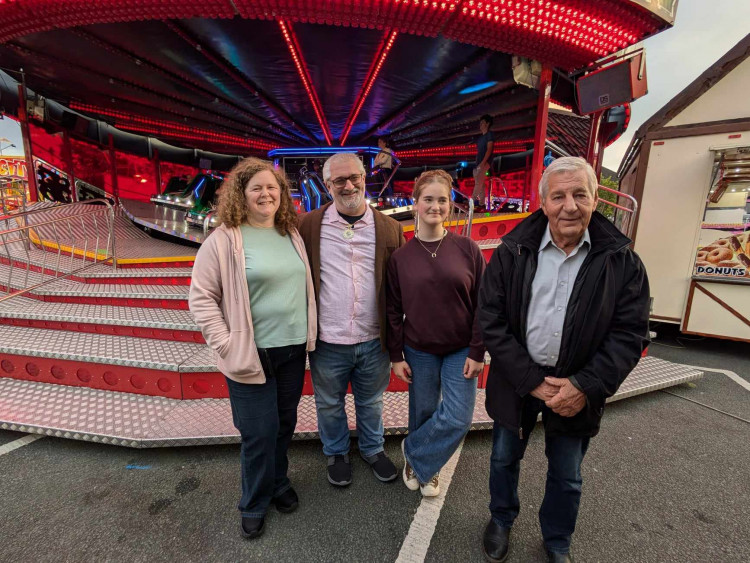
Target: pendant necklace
point(348, 233)
point(433, 254)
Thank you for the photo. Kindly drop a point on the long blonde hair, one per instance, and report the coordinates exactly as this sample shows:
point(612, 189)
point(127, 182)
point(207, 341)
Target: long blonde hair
point(232, 208)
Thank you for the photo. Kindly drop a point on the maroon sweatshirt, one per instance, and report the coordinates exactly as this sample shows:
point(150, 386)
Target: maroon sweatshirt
point(437, 295)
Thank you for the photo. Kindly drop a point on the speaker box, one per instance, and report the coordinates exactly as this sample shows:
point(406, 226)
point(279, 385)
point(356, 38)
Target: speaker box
point(612, 86)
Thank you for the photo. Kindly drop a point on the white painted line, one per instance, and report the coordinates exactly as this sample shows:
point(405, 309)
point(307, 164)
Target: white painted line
point(730, 374)
point(21, 442)
point(417, 541)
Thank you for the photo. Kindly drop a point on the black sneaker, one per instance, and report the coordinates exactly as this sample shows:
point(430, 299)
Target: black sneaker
point(252, 528)
point(382, 467)
point(339, 470)
point(286, 502)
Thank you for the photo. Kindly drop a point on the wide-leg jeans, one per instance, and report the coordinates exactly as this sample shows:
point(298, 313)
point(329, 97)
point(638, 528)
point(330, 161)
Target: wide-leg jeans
point(436, 427)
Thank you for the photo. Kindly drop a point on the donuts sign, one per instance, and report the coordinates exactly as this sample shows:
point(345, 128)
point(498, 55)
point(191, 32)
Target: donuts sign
point(727, 257)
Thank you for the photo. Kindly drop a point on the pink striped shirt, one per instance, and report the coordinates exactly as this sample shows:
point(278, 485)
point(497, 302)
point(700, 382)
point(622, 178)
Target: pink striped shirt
point(348, 311)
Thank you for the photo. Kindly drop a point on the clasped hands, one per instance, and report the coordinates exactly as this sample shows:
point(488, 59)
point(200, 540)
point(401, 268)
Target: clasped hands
point(560, 396)
point(472, 369)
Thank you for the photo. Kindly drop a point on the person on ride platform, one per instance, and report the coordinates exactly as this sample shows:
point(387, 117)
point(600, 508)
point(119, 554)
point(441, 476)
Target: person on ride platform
point(433, 338)
point(563, 308)
point(252, 296)
point(349, 244)
point(485, 144)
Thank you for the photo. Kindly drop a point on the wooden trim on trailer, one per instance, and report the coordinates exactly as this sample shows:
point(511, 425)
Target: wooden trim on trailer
point(640, 182)
point(722, 303)
point(704, 128)
point(662, 318)
point(688, 307)
point(715, 336)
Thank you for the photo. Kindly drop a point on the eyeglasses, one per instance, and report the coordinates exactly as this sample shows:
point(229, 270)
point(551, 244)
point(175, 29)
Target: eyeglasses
point(355, 179)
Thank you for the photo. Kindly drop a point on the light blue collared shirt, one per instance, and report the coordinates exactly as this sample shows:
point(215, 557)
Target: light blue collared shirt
point(550, 291)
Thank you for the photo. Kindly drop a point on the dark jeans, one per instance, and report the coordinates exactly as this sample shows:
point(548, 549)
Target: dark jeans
point(562, 496)
point(266, 415)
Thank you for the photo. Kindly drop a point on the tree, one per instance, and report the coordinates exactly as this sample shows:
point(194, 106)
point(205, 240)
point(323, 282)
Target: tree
point(607, 210)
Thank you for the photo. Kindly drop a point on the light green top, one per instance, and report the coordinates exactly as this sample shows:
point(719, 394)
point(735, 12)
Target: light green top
point(278, 290)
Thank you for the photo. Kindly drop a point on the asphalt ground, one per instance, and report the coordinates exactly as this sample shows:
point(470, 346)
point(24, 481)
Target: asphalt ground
point(667, 479)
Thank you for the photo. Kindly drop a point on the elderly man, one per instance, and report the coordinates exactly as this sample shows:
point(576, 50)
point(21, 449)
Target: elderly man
point(564, 310)
point(349, 244)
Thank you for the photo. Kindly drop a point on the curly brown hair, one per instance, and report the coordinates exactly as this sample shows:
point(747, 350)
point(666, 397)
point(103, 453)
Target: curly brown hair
point(429, 177)
point(232, 209)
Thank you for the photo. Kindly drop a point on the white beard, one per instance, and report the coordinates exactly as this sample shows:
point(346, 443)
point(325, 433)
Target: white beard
point(352, 201)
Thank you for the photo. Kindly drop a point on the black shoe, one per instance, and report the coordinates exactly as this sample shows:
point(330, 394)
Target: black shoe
point(339, 470)
point(252, 528)
point(382, 467)
point(495, 542)
point(553, 557)
point(286, 502)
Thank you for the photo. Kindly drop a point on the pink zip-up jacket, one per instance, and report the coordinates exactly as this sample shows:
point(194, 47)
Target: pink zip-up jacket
point(220, 302)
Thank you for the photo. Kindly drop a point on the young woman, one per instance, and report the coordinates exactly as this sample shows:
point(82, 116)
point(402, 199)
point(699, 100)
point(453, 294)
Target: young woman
point(433, 338)
point(253, 299)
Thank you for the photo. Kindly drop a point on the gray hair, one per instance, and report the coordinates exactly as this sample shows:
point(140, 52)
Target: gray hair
point(569, 164)
point(339, 156)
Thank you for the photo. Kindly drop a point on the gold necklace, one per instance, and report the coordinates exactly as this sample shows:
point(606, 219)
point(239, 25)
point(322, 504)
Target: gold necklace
point(433, 254)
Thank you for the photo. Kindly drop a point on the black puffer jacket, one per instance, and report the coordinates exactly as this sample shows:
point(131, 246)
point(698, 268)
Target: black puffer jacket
point(604, 334)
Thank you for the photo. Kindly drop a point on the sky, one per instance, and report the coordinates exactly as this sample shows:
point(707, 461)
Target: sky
point(703, 32)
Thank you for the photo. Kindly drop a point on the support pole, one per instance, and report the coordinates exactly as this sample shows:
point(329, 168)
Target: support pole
point(23, 119)
point(113, 169)
point(593, 148)
point(70, 169)
point(540, 135)
point(604, 131)
point(157, 172)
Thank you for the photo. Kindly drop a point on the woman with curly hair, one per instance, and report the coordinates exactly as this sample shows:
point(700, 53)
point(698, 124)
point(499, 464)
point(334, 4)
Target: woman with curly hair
point(253, 299)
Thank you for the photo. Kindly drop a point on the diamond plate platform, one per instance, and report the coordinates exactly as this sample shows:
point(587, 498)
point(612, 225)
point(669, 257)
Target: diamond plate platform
point(489, 243)
point(17, 278)
point(100, 348)
point(161, 218)
point(139, 421)
point(169, 319)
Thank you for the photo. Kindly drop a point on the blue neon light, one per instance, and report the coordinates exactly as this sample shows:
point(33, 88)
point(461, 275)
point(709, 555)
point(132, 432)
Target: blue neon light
point(318, 150)
point(305, 196)
point(198, 187)
point(317, 193)
point(478, 87)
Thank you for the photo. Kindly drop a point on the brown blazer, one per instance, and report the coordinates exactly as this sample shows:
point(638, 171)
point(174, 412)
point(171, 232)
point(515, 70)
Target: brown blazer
point(389, 235)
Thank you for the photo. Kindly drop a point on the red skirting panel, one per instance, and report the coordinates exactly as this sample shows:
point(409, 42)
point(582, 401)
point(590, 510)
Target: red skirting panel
point(95, 376)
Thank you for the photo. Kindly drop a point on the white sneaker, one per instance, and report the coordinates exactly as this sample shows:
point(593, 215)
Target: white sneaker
point(432, 487)
point(410, 479)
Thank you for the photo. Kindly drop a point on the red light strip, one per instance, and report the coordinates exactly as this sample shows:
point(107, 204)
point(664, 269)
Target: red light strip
point(159, 127)
point(304, 74)
point(461, 150)
point(555, 20)
point(372, 74)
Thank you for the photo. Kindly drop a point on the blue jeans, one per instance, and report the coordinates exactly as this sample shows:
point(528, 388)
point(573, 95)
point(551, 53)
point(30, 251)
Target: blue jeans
point(437, 427)
point(266, 415)
point(367, 367)
point(562, 495)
